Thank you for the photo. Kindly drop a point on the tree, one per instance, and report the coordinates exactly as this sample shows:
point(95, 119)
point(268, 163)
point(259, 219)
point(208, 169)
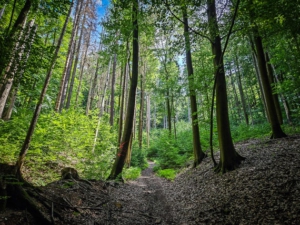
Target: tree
point(229, 158)
point(198, 153)
point(123, 149)
point(277, 132)
point(6, 45)
point(38, 108)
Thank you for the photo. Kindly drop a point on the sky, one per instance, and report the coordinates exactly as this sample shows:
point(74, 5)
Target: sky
point(102, 6)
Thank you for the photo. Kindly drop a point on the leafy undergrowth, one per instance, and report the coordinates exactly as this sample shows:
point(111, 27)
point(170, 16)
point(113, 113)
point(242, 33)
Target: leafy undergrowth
point(169, 174)
point(265, 189)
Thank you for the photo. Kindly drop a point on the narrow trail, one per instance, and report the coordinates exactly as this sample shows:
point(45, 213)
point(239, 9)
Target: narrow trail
point(146, 200)
point(155, 196)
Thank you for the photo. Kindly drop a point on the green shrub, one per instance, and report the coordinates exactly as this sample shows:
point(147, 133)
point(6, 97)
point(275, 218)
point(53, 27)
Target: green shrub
point(65, 138)
point(138, 157)
point(131, 173)
point(169, 174)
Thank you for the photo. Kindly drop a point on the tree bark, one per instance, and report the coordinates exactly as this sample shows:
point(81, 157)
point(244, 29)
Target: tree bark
point(70, 91)
point(7, 48)
point(140, 137)
point(69, 58)
point(2, 11)
point(123, 149)
point(82, 67)
point(14, 69)
point(236, 99)
point(273, 119)
point(241, 91)
point(112, 93)
point(229, 158)
point(148, 125)
point(124, 88)
point(38, 108)
point(198, 153)
point(275, 95)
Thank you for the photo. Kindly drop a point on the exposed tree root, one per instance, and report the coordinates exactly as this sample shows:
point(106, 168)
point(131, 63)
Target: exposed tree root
point(199, 160)
point(32, 207)
point(224, 166)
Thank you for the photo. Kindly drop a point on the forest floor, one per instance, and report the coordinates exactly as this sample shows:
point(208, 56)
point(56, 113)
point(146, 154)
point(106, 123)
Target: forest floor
point(265, 189)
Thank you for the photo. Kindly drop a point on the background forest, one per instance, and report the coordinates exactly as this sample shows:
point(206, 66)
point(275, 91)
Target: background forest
point(66, 70)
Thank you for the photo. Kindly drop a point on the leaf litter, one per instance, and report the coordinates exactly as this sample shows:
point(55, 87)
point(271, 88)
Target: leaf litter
point(265, 189)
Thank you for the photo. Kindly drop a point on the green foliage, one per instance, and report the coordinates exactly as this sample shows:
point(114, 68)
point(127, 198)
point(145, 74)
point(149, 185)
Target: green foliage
point(60, 140)
point(169, 174)
point(138, 157)
point(131, 173)
point(244, 132)
point(170, 153)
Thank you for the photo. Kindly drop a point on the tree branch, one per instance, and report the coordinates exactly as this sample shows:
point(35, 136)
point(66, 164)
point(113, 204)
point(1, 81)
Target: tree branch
point(180, 20)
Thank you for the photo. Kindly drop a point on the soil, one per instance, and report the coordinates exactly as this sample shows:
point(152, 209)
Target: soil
point(265, 189)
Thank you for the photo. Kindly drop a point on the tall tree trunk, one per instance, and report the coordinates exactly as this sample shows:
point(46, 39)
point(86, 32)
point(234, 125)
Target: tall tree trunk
point(279, 79)
point(94, 83)
point(82, 67)
point(78, 47)
point(69, 57)
point(7, 48)
point(148, 125)
point(261, 93)
point(38, 108)
point(101, 106)
point(2, 11)
point(174, 117)
point(124, 88)
point(241, 91)
point(87, 108)
point(112, 93)
point(236, 99)
point(19, 69)
point(275, 124)
point(229, 158)
point(14, 69)
point(271, 81)
point(140, 137)
point(198, 153)
point(121, 155)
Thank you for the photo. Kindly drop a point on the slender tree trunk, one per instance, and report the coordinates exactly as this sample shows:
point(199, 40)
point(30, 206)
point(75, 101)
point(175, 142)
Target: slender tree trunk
point(126, 71)
point(70, 91)
point(69, 57)
point(198, 153)
point(14, 71)
point(102, 105)
point(87, 108)
point(261, 93)
point(285, 103)
point(229, 158)
point(38, 108)
point(140, 137)
point(236, 99)
point(94, 83)
point(20, 66)
point(7, 49)
point(148, 125)
point(122, 153)
point(82, 67)
point(241, 91)
point(2, 11)
point(174, 117)
point(112, 94)
point(271, 81)
point(275, 124)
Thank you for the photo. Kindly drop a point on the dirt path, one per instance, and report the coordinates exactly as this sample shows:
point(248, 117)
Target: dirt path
point(145, 200)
